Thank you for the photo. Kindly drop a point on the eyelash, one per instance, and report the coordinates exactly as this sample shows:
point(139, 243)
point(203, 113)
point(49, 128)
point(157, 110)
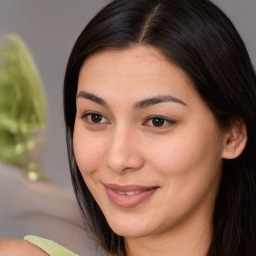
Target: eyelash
point(88, 114)
point(166, 122)
point(163, 120)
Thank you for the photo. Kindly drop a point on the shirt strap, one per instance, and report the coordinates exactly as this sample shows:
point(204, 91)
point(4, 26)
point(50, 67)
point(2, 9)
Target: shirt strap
point(52, 248)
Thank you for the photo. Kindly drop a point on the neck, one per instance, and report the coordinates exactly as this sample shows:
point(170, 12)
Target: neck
point(189, 239)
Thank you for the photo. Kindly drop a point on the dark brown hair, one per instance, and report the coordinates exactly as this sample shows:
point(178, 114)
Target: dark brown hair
point(199, 38)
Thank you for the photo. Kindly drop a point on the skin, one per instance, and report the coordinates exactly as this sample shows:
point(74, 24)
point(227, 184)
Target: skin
point(20, 248)
point(182, 157)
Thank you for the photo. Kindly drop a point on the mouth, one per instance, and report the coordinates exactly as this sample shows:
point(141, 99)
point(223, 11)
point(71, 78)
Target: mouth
point(129, 196)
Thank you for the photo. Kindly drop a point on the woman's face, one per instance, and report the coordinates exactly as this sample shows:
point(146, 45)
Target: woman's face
point(147, 146)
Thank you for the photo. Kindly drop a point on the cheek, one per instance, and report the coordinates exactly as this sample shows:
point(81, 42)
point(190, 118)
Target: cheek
point(189, 174)
point(172, 157)
point(87, 151)
point(188, 163)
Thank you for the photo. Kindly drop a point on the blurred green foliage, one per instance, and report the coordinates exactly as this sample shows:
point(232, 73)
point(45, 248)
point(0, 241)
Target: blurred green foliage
point(22, 101)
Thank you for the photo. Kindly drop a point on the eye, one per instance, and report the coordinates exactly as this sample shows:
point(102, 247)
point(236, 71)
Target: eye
point(158, 122)
point(94, 118)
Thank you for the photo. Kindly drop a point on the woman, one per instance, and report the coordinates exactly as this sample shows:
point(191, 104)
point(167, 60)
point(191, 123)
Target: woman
point(160, 111)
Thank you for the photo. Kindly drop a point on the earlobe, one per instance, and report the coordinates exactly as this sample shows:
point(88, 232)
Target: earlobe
point(235, 139)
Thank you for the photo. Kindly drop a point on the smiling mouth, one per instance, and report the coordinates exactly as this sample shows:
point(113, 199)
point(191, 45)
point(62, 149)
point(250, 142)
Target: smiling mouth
point(129, 193)
point(128, 196)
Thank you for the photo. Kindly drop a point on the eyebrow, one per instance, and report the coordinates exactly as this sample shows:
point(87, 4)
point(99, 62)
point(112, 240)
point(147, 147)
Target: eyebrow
point(158, 99)
point(139, 105)
point(92, 97)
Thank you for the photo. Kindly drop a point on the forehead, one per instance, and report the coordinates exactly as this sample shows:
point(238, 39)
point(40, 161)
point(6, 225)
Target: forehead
point(136, 60)
point(134, 71)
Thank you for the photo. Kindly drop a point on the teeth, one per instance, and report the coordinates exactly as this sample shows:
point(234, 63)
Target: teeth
point(121, 193)
point(131, 193)
point(128, 193)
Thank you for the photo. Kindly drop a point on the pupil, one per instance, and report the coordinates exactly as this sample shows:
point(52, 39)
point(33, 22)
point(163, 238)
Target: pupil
point(158, 121)
point(96, 118)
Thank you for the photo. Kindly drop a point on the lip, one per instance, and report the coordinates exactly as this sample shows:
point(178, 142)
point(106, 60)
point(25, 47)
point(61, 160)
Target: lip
point(137, 194)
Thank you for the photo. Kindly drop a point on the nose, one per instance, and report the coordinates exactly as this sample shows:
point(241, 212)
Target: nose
point(122, 151)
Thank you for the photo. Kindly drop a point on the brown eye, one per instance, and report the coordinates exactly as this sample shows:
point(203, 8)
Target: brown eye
point(158, 122)
point(95, 118)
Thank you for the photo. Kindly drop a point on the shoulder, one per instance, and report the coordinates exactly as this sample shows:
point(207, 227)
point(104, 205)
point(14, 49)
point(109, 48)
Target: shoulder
point(49, 246)
point(20, 248)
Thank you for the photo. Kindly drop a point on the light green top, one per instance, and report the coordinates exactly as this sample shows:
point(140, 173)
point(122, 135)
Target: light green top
point(50, 247)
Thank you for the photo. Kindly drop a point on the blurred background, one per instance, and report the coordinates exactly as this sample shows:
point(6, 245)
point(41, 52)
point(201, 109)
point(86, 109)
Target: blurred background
point(49, 29)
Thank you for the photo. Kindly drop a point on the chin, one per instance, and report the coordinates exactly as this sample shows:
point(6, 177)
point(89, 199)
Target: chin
point(127, 228)
point(129, 232)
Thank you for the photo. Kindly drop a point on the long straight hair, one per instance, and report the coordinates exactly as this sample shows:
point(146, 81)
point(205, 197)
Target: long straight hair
point(199, 38)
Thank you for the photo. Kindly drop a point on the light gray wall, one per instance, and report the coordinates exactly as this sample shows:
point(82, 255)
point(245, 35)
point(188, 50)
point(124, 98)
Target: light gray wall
point(243, 15)
point(50, 28)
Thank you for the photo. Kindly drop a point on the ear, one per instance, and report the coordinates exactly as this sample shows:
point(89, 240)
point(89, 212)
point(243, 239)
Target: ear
point(235, 138)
